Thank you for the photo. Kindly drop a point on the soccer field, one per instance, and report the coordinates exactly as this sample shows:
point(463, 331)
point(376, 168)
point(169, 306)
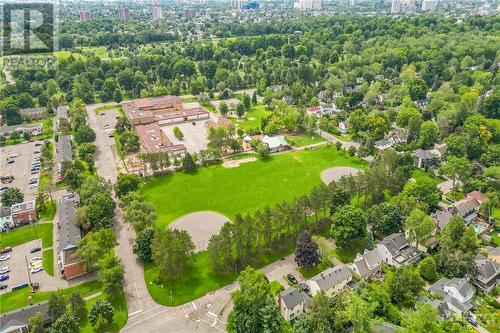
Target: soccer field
point(249, 187)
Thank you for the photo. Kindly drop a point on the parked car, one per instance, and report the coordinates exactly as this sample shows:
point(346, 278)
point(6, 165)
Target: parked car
point(13, 155)
point(32, 186)
point(4, 277)
point(292, 279)
point(11, 161)
point(102, 113)
point(38, 144)
point(5, 257)
point(36, 269)
point(3, 286)
point(35, 249)
point(304, 287)
point(34, 259)
point(6, 250)
point(5, 269)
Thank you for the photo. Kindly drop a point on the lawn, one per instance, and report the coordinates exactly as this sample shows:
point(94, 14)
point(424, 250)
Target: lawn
point(19, 298)
point(308, 273)
point(420, 175)
point(243, 189)
point(49, 212)
point(119, 319)
point(200, 280)
point(252, 119)
point(107, 107)
point(48, 261)
point(348, 254)
point(25, 234)
point(301, 140)
point(275, 287)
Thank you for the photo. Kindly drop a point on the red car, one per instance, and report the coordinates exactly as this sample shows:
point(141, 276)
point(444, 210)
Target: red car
point(6, 250)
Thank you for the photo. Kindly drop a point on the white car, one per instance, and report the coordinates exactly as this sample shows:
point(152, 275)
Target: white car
point(13, 155)
point(32, 186)
point(5, 257)
point(36, 269)
point(5, 269)
point(35, 259)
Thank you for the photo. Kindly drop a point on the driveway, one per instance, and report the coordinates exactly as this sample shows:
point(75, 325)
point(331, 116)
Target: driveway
point(345, 144)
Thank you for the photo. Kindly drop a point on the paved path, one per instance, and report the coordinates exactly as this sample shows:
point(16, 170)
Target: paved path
point(345, 144)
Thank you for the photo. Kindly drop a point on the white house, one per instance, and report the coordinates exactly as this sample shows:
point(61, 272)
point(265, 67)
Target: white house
point(293, 302)
point(367, 265)
point(457, 293)
point(332, 281)
point(276, 143)
point(382, 145)
point(344, 127)
point(395, 250)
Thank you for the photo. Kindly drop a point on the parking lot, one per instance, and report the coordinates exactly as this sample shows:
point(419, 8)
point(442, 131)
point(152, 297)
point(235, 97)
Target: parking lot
point(20, 168)
point(195, 136)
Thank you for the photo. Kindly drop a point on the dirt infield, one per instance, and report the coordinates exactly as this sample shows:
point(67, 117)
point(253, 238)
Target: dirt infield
point(236, 163)
point(201, 226)
point(329, 175)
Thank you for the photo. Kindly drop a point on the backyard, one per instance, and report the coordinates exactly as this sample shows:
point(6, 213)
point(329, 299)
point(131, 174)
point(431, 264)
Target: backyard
point(252, 119)
point(245, 188)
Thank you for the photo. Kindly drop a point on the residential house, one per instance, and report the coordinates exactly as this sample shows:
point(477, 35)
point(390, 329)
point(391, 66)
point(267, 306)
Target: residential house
point(331, 282)
point(18, 321)
point(5, 218)
point(382, 145)
point(424, 159)
point(367, 265)
point(33, 113)
point(476, 195)
point(457, 293)
point(467, 209)
point(441, 219)
point(494, 253)
point(395, 250)
point(23, 213)
point(293, 302)
point(440, 305)
point(31, 129)
point(276, 143)
point(64, 152)
point(344, 127)
point(397, 136)
point(488, 273)
point(71, 264)
point(322, 110)
point(421, 102)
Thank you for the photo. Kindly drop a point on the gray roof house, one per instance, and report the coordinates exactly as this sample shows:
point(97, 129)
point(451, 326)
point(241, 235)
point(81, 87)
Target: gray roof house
point(62, 112)
point(439, 305)
point(293, 302)
point(17, 321)
point(64, 151)
point(457, 293)
point(382, 145)
point(33, 113)
point(33, 129)
point(367, 265)
point(467, 209)
point(488, 273)
point(441, 219)
point(395, 250)
point(424, 159)
point(331, 281)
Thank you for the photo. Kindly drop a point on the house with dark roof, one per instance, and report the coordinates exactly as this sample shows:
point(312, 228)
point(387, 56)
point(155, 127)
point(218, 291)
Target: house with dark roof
point(17, 321)
point(424, 159)
point(32, 129)
point(382, 145)
point(441, 219)
point(71, 264)
point(293, 302)
point(467, 209)
point(64, 152)
point(367, 265)
point(395, 250)
point(457, 293)
point(488, 273)
point(331, 281)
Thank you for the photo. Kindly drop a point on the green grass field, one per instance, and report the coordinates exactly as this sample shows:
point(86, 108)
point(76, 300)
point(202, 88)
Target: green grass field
point(119, 319)
point(301, 140)
point(348, 254)
point(49, 212)
point(19, 298)
point(28, 233)
point(48, 261)
point(252, 119)
point(244, 189)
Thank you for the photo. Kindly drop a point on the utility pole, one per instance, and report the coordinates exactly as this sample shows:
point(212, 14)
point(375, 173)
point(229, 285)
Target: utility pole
point(28, 271)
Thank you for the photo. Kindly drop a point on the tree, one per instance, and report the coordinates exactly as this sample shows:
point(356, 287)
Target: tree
point(360, 313)
point(57, 305)
point(417, 88)
point(348, 223)
point(404, 285)
point(84, 134)
point(86, 149)
point(254, 98)
point(112, 274)
point(254, 308)
point(419, 226)
point(11, 196)
point(424, 320)
point(126, 183)
point(66, 323)
point(456, 168)
point(247, 102)
point(307, 251)
point(406, 114)
point(428, 134)
point(95, 245)
point(263, 150)
point(140, 214)
point(129, 141)
point(117, 95)
point(100, 312)
point(77, 305)
point(424, 192)
point(36, 323)
point(325, 314)
point(220, 250)
point(172, 250)
point(178, 133)
point(188, 163)
point(302, 324)
point(240, 110)
point(223, 108)
point(385, 219)
point(142, 244)
point(428, 269)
